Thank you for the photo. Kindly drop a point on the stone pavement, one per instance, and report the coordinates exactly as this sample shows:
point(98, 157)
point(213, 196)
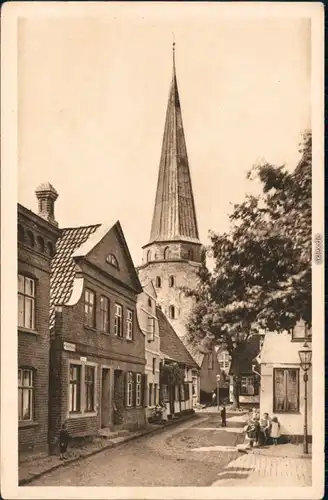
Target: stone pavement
point(36, 466)
point(282, 465)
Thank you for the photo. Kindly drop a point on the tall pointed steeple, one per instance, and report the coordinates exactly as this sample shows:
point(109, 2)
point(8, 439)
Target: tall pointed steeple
point(174, 217)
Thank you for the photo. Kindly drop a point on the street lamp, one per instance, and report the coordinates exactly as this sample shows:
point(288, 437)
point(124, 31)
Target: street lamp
point(218, 390)
point(305, 355)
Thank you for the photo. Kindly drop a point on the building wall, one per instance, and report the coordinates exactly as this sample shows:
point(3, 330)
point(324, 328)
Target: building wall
point(105, 350)
point(185, 275)
point(34, 345)
point(208, 381)
point(146, 307)
point(178, 404)
point(292, 424)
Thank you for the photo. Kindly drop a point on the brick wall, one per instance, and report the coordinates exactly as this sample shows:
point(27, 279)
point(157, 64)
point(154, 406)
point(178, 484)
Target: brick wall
point(33, 345)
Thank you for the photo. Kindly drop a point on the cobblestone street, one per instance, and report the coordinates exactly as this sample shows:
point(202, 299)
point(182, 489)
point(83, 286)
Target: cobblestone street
point(193, 453)
point(160, 460)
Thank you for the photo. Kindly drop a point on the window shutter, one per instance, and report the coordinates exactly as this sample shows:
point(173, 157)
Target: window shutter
point(134, 389)
point(125, 388)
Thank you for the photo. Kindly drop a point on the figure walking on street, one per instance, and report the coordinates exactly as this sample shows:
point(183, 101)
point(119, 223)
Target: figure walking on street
point(213, 398)
point(64, 438)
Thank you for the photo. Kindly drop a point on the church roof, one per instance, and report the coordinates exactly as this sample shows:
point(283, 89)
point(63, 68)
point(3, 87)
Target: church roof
point(171, 345)
point(174, 217)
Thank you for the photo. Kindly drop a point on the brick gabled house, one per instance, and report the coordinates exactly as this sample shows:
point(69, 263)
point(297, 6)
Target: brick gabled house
point(183, 396)
point(97, 360)
point(37, 235)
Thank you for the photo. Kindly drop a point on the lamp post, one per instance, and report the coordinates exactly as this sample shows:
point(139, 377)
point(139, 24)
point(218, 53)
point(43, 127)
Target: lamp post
point(218, 390)
point(305, 355)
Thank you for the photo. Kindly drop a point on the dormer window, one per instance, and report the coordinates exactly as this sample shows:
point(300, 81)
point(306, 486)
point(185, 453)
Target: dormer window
point(112, 260)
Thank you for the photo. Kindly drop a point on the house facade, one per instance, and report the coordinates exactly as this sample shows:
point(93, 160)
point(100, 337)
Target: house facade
point(97, 360)
point(282, 384)
point(37, 236)
point(148, 322)
point(179, 373)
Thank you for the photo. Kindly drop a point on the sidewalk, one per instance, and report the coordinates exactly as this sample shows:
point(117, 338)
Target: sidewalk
point(35, 467)
point(282, 465)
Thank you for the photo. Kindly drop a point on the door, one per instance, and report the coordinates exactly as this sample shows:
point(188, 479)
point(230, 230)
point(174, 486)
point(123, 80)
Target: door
point(105, 398)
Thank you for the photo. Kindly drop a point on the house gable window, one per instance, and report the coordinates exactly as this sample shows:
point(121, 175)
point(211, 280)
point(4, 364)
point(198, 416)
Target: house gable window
point(89, 379)
point(151, 328)
point(247, 386)
point(286, 390)
point(138, 389)
point(25, 394)
point(104, 314)
point(118, 324)
point(154, 366)
point(89, 308)
point(129, 324)
point(74, 388)
point(26, 302)
point(112, 260)
point(224, 360)
point(301, 332)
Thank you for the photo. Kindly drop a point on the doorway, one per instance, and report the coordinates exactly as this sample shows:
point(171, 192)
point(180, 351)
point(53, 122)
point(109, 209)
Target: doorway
point(105, 398)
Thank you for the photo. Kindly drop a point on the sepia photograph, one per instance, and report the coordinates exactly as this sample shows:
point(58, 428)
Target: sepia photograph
point(163, 164)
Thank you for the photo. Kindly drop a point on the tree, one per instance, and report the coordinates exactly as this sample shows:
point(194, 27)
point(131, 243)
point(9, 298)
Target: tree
point(262, 273)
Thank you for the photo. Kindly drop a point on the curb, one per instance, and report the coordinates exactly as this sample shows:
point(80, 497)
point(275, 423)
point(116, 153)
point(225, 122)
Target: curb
point(148, 432)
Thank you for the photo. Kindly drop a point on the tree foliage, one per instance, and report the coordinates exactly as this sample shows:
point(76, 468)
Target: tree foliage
point(262, 273)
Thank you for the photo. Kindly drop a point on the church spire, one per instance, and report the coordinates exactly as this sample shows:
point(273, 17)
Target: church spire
point(174, 217)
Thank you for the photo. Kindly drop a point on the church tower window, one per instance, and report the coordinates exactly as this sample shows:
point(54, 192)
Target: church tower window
point(148, 255)
point(172, 312)
point(190, 254)
point(171, 281)
point(166, 253)
point(158, 282)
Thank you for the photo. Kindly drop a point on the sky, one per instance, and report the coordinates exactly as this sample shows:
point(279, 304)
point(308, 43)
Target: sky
point(92, 97)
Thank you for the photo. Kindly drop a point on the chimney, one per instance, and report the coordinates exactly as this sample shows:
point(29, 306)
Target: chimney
point(47, 195)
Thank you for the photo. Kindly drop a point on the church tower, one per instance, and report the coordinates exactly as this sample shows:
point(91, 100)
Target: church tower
point(174, 254)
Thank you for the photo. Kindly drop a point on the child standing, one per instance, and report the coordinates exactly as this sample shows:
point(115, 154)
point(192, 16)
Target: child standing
point(64, 438)
point(223, 413)
point(275, 430)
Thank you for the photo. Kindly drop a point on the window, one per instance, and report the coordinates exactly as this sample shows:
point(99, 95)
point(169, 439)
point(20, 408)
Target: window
point(148, 255)
point(151, 328)
point(182, 392)
point(104, 314)
point(194, 386)
point(158, 282)
point(286, 390)
point(25, 394)
point(210, 361)
point(20, 233)
point(118, 330)
point(301, 331)
point(138, 389)
point(190, 254)
point(129, 389)
point(50, 249)
point(172, 312)
point(150, 394)
point(224, 360)
point(129, 324)
point(112, 260)
point(166, 253)
point(30, 239)
point(154, 366)
point(155, 394)
point(247, 386)
point(89, 388)
point(171, 281)
point(176, 393)
point(26, 302)
point(75, 388)
point(89, 308)
point(41, 246)
point(149, 302)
